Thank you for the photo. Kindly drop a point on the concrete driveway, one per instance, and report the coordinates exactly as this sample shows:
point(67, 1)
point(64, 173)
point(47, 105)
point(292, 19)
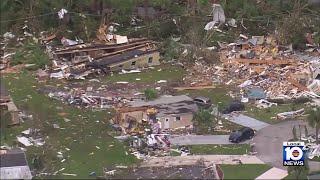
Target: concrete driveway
point(269, 140)
point(201, 139)
point(246, 121)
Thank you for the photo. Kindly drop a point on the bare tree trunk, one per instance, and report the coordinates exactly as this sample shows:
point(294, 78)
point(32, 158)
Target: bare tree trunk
point(146, 6)
point(192, 6)
point(317, 133)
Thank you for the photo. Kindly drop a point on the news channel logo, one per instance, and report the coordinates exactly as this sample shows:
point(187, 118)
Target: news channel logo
point(293, 153)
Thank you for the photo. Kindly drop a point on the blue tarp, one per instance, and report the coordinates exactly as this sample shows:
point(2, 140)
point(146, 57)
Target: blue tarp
point(256, 93)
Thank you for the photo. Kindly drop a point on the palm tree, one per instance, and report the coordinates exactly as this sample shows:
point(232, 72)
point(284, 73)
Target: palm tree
point(314, 121)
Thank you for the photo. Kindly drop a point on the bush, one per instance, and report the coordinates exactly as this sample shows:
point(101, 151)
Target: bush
point(150, 94)
point(203, 121)
point(30, 54)
point(170, 50)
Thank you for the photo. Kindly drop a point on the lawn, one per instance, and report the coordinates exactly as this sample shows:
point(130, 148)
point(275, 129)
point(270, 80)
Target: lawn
point(267, 114)
point(217, 95)
point(84, 141)
point(243, 171)
point(315, 159)
point(162, 72)
point(230, 149)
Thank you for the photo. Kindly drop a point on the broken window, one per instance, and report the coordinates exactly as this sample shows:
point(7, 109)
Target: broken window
point(133, 63)
point(178, 118)
point(150, 60)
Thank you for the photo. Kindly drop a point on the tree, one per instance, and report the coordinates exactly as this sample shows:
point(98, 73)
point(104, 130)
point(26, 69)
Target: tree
point(203, 121)
point(294, 133)
point(305, 131)
point(299, 172)
point(5, 120)
point(150, 94)
point(314, 121)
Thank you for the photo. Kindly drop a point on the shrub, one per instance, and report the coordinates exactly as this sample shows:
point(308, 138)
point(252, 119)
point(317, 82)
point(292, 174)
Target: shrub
point(30, 54)
point(150, 94)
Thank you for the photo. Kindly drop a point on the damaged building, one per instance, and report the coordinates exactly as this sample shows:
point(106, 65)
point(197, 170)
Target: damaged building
point(164, 113)
point(128, 60)
point(14, 165)
point(80, 60)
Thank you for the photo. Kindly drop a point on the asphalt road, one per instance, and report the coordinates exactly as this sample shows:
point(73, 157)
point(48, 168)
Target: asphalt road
point(269, 140)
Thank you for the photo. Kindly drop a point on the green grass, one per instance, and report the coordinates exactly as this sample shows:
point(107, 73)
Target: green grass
point(315, 159)
point(174, 153)
point(243, 171)
point(86, 130)
point(267, 114)
point(30, 53)
point(217, 95)
point(230, 149)
point(163, 72)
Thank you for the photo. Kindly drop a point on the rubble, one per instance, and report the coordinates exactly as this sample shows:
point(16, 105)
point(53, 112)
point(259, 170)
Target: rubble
point(314, 151)
point(291, 114)
point(259, 65)
point(262, 103)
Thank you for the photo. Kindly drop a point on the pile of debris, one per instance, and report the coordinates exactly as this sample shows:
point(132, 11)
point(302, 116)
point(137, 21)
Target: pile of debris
point(31, 137)
point(199, 75)
point(261, 66)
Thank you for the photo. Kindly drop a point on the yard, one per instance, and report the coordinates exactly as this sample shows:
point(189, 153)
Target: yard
point(163, 72)
point(230, 149)
point(83, 138)
point(217, 95)
point(243, 171)
point(220, 97)
point(268, 115)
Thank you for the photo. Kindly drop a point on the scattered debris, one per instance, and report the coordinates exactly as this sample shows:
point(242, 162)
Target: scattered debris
point(291, 114)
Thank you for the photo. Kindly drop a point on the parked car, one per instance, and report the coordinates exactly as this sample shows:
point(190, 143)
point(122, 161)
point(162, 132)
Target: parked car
point(201, 101)
point(234, 106)
point(241, 135)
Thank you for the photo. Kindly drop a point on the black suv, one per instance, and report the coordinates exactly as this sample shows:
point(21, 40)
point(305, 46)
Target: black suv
point(241, 135)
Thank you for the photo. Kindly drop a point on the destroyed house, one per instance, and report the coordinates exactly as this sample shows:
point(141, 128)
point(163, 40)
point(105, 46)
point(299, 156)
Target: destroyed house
point(128, 60)
point(14, 165)
point(129, 117)
point(79, 52)
point(171, 111)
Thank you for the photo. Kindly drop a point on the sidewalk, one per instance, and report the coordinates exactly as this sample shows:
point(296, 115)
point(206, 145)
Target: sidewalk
point(273, 173)
point(208, 159)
